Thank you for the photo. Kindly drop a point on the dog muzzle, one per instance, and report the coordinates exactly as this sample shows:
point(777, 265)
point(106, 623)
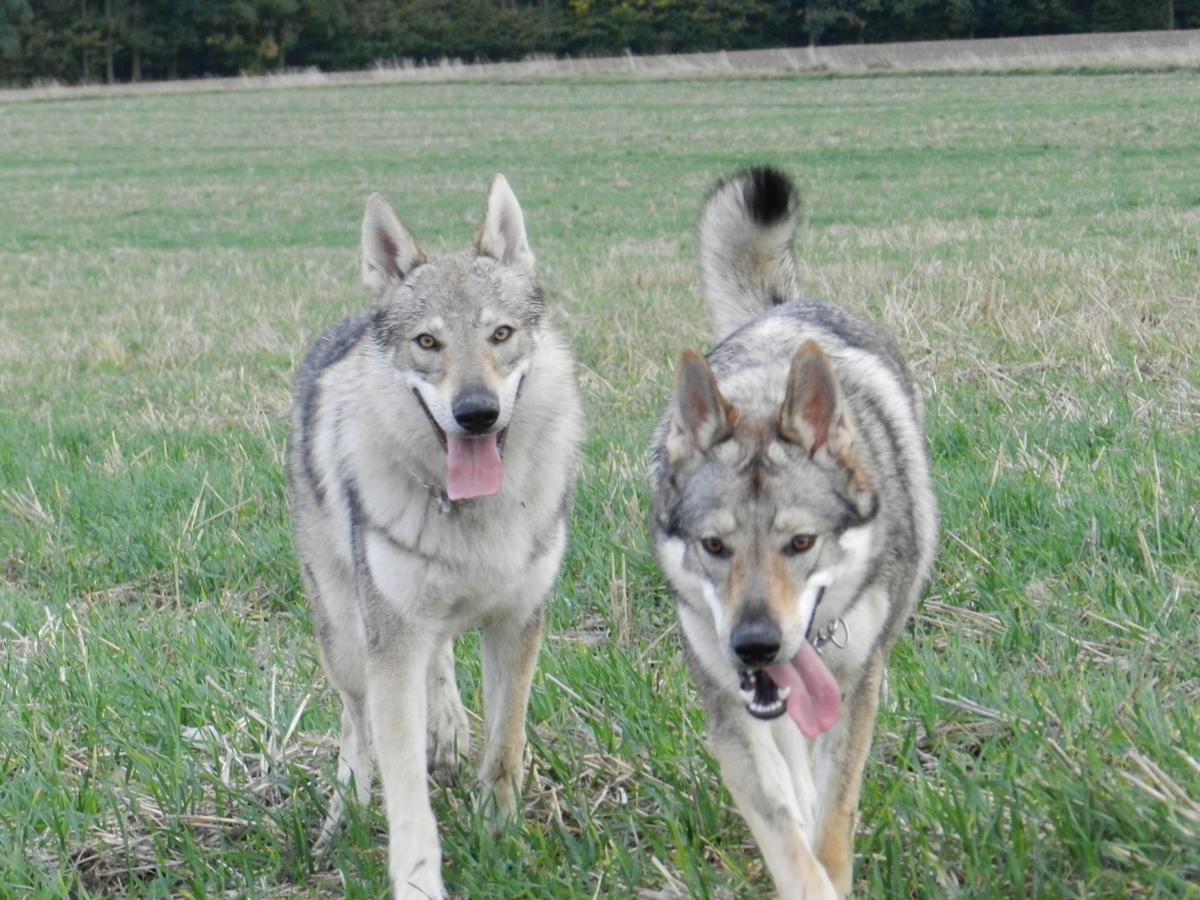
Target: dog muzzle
point(803, 687)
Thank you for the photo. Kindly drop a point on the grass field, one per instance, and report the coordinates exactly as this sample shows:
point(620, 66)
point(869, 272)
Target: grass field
point(164, 260)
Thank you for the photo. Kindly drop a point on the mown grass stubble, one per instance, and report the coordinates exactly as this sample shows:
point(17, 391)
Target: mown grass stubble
point(164, 261)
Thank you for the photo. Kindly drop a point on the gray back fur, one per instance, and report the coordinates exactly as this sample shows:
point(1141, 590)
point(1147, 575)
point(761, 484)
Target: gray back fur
point(749, 283)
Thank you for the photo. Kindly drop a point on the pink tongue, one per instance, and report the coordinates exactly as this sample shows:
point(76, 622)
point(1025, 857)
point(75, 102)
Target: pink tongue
point(815, 700)
point(473, 467)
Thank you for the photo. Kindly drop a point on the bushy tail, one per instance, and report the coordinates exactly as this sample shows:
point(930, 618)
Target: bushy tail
point(746, 232)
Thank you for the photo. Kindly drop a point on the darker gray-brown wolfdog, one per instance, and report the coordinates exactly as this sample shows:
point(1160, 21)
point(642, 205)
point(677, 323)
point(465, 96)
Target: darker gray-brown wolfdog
point(794, 521)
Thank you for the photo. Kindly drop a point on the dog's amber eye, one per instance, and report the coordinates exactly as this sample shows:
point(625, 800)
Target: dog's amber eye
point(714, 546)
point(801, 542)
point(501, 334)
point(427, 342)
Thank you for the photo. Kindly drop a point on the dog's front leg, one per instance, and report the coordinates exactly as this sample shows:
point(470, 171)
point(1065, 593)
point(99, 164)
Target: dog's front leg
point(758, 777)
point(396, 698)
point(847, 750)
point(509, 650)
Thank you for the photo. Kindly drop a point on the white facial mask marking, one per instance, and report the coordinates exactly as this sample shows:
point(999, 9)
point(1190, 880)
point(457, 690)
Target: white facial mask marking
point(670, 553)
point(710, 597)
point(856, 544)
point(440, 409)
point(806, 602)
point(429, 395)
point(512, 384)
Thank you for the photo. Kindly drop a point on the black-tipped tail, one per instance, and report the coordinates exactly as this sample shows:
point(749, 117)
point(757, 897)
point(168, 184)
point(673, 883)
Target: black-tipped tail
point(770, 196)
point(746, 232)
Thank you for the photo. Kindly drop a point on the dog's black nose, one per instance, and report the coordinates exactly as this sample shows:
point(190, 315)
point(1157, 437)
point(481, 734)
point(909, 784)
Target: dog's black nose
point(756, 640)
point(476, 410)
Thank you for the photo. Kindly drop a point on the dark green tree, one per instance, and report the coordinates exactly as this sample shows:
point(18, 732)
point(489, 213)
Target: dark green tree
point(89, 40)
point(15, 17)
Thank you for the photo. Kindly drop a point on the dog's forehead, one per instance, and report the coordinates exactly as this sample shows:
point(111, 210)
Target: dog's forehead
point(716, 497)
point(708, 505)
point(758, 482)
point(466, 291)
point(799, 519)
point(804, 496)
point(718, 521)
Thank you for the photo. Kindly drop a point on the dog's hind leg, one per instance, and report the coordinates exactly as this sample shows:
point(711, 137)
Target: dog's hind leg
point(449, 733)
point(354, 759)
point(509, 650)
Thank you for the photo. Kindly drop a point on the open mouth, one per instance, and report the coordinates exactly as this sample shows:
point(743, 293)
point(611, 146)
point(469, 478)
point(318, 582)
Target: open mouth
point(474, 464)
point(764, 699)
point(802, 686)
point(441, 433)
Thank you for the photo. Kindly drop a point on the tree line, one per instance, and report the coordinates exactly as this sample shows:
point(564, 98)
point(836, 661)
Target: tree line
point(80, 41)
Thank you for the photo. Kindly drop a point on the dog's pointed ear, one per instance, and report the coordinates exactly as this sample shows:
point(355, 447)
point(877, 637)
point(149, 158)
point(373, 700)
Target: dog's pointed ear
point(389, 252)
point(501, 235)
point(815, 417)
point(814, 414)
point(701, 417)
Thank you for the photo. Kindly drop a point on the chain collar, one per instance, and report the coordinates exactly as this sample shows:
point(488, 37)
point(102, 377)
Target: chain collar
point(436, 491)
point(836, 633)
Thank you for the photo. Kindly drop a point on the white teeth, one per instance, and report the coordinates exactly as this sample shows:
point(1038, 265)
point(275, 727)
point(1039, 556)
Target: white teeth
point(762, 698)
point(783, 692)
point(772, 708)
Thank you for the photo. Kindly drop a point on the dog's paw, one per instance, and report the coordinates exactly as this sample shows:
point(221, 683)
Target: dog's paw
point(500, 802)
point(417, 876)
point(448, 741)
point(818, 888)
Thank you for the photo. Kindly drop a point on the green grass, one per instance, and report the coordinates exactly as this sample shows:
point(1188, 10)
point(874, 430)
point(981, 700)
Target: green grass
point(164, 260)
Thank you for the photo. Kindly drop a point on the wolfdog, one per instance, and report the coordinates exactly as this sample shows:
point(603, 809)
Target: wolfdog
point(794, 522)
point(434, 444)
